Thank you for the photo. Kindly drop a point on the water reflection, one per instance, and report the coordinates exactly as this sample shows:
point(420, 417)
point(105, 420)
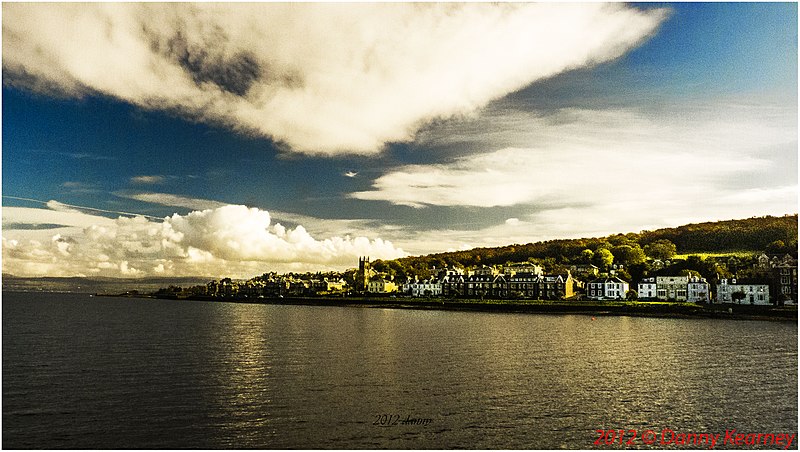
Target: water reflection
point(166, 374)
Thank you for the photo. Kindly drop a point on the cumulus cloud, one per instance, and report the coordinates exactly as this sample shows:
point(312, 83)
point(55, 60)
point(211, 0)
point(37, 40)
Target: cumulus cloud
point(227, 241)
point(323, 78)
point(314, 225)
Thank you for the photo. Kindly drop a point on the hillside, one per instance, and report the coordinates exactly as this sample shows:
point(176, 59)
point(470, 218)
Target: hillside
point(770, 234)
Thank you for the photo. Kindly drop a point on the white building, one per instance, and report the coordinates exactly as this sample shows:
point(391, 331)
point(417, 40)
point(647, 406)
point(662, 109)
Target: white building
point(752, 292)
point(646, 289)
point(698, 290)
point(672, 288)
point(693, 289)
point(526, 268)
point(607, 289)
point(486, 271)
point(426, 288)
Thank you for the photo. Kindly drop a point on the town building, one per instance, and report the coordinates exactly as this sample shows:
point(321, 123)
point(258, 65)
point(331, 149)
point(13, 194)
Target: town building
point(693, 289)
point(698, 290)
point(364, 274)
point(485, 285)
point(483, 270)
point(380, 285)
point(425, 288)
point(672, 288)
point(611, 288)
point(742, 291)
point(523, 285)
point(453, 283)
point(524, 268)
point(781, 271)
point(646, 289)
point(556, 287)
point(584, 270)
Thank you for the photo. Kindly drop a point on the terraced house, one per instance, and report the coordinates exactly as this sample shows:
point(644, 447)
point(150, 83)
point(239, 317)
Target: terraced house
point(489, 282)
point(611, 288)
point(691, 289)
point(742, 291)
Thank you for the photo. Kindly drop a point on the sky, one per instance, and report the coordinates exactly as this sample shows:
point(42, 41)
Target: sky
point(235, 139)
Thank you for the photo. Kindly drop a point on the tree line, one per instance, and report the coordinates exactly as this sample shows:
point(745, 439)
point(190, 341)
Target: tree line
point(774, 235)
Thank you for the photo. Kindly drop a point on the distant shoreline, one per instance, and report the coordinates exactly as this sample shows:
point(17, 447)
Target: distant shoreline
point(593, 308)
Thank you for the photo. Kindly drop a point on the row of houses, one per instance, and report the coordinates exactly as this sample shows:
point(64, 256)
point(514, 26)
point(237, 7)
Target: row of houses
point(664, 288)
point(685, 289)
point(521, 285)
point(527, 281)
point(517, 281)
point(777, 283)
point(678, 288)
point(274, 286)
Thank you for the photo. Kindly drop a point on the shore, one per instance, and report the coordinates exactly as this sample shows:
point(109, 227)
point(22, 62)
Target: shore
point(593, 308)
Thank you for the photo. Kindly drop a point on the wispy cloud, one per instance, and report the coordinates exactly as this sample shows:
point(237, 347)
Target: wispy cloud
point(621, 169)
point(71, 155)
point(85, 156)
point(147, 180)
point(166, 199)
point(80, 187)
point(323, 78)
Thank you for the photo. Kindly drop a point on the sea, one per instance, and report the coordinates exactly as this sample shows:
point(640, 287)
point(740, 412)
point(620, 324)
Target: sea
point(91, 372)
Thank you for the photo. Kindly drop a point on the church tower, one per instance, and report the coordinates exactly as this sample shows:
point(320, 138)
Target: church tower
point(362, 277)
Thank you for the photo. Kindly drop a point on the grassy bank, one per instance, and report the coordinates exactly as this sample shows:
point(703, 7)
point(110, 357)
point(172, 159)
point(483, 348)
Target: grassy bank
point(741, 254)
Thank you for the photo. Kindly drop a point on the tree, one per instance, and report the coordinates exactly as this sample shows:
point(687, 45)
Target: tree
point(586, 256)
point(624, 275)
point(603, 258)
point(628, 254)
point(660, 249)
point(689, 273)
point(632, 295)
point(776, 247)
point(738, 296)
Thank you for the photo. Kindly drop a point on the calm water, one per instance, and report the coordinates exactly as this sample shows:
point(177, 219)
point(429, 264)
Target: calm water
point(81, 372)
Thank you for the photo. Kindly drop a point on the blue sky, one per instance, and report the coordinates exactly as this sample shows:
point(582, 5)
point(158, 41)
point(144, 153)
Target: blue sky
point(488, 125)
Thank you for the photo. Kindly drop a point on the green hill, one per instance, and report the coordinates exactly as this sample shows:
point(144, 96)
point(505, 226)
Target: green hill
point(762, 234)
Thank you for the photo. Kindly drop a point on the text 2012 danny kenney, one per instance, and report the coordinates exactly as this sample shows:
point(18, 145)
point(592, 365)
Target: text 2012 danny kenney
point(667, 436)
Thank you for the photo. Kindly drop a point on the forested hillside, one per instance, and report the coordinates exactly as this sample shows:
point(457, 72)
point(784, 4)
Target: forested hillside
point(753, 234)
point(763, 234)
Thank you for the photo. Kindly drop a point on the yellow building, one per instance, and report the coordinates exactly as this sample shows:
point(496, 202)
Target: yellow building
point(380, 285)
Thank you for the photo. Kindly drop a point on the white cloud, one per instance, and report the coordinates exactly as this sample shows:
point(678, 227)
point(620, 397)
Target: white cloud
point(31, 216)
point(227, 241)
point(147, 179)
point(586, 155)
point(589, 172)
point(166, 199)
point(324, 78)
point(314, 225)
